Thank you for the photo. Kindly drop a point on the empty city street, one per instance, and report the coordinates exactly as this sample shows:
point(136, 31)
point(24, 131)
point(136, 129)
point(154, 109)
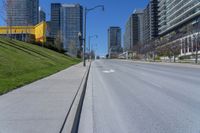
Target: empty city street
point(136, 97)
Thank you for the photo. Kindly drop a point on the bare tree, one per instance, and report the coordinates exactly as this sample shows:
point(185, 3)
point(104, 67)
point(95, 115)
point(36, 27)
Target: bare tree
point(72, 48)
point(175, 49)
point(172, 50)
point(165, 51)
point(58, 41)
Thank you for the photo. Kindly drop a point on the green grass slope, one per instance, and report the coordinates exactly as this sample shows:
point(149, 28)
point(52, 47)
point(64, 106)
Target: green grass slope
point(22, 63)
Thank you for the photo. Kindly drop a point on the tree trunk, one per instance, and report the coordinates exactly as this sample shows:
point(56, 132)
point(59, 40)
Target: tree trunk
point(174, 58)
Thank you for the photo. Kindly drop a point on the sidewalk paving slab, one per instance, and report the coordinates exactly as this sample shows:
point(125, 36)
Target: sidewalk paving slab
point(40, 107)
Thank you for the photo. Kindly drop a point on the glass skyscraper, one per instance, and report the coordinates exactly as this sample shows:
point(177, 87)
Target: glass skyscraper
point(42, 15)
point(134, 30)
point(55, 19)
point(114, 41)
point(71, 20)
point(22, 12)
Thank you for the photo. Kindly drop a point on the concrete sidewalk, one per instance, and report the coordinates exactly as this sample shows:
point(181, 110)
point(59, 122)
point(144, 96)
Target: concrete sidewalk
point(40, 107)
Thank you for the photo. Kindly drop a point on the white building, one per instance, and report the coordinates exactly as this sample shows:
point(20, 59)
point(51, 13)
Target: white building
point(179, 21)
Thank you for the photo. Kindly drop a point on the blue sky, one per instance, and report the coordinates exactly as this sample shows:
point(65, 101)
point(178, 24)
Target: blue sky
point(116, 14)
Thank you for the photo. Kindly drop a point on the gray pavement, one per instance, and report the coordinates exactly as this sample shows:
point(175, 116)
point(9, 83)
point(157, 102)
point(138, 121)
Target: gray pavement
point(128, 97)
point(40, 107)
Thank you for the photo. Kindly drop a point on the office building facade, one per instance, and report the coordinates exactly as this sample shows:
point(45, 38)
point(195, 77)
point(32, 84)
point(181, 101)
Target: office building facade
point(131, 33)
point(179, 22)
point(176, 14)
point(134, 34)
point(42, 15)
point(66, 23)
point(114, 40)
point(150, 29)
point(140, 15)
point(55, 20)
point(22, 12)
point(71, 20)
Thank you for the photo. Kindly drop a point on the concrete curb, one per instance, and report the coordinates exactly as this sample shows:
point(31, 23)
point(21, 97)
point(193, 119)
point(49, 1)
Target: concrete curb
point(71, 122)
point(87, 124)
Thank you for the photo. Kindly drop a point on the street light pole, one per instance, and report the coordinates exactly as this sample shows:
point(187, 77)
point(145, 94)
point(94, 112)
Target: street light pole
point(84, 48)
point(86, 10)
point(196, 51)
point(110, 51)
point(89, 43)
point(197, 47)
point(94, 50)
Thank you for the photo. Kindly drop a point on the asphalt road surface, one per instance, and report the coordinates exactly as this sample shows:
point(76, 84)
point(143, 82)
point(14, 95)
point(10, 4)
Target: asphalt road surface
point(128, 97)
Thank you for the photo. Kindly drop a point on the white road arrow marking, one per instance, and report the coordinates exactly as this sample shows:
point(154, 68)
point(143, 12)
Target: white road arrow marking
point(109, 71)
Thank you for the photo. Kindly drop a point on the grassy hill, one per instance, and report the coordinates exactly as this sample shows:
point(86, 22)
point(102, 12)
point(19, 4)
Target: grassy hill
point(22, 63)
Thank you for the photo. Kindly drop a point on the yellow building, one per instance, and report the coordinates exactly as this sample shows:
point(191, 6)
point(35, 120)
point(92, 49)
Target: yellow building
point(37, 32)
